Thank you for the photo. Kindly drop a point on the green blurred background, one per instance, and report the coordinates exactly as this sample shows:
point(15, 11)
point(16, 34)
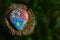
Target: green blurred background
point(47, 14)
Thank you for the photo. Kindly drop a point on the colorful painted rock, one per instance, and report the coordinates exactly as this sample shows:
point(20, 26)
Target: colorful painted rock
point(20, 20)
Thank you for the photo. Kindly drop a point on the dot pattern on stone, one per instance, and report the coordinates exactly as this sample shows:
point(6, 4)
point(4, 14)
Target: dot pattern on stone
point(18, 17)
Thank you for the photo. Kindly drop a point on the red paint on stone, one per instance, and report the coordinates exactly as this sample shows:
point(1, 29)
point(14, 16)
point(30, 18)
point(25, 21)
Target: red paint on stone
point(24, 15)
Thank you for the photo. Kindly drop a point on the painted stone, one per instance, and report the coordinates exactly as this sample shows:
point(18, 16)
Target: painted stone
point(18, 18)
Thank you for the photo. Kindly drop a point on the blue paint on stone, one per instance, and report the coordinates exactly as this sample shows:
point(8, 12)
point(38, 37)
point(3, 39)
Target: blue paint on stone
point(21, 23)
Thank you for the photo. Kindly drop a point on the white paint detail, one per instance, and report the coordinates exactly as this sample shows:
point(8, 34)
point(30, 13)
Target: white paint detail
point(17, 24)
